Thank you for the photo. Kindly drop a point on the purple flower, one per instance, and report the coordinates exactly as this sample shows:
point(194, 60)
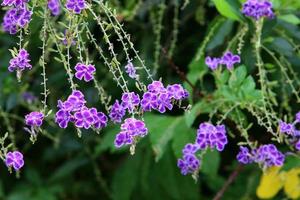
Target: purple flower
point(211, 136)
point(130, 100)
point(28, 97)
point(212, 63)
point(74, 102)
point(54, 7)
point(287, 128)
point(244, 156)
point(14, 159)
point(85, 71)
point(160, 98)
point(130, 129)
point(16, 18)
point(149, 101)
point(76, 5)
point(117, 112)
point(20, 62)
point(62, 118)
point(297, 146)
point(269, 156)
point(177, 92)
point(123, 138)
point(34, 119)
point(156, 87)
point(298, 117)
point(100, 119)
point(189, 164)
point(258, 9)
point(190, 148)
point(17, 3)
point(130, 70)
point(164, 101)
point(218, 138)
point(230, 60)
point(134, 127)
point(84, 118)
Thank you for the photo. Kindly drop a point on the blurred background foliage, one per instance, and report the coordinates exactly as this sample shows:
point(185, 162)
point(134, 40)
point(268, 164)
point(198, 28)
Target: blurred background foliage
point(63, 166)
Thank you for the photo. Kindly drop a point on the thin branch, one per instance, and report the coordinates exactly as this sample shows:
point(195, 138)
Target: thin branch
point(228, 182)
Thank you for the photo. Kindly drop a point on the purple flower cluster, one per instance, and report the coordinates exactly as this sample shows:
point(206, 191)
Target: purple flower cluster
point(117, 112)
point(244, 156)
point(210, 136)
point(16, 17)
point(160, 98)
point(157, 97)
point(228, 59)
point(16, 3)
point(131, 130)
point(85, 72)
point(189, 164)
point(76, 5)
point(54, 7)
point(290, 132)
point(34, 119)
point(14, 159)
point(130, 101)
point(74, 110)
point(130, 70)
point(258, 9)
point(20, 62)
point(266, 155)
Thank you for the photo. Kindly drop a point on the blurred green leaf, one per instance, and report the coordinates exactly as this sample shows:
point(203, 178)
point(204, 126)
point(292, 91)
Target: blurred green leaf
point(199, 108)
point(126, 178)
point(1, 190)
point(68, 168)
point(290, 18)
point(210, 163)
point(282, 46)
point(227, 10)
point(219, 37)
point(290, 163)
point(161, 130)
point(183, 135)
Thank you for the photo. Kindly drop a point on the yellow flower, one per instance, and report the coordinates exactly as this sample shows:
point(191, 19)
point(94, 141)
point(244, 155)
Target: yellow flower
point(272, 181)
point(270, 184)
point(292, 183)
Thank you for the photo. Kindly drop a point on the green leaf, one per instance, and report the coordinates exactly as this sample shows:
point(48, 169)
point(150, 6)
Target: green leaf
point(68, 168)
point(282, 46)
point(248, 85)
point(1, 190)
point(227, 10)
point(126, 178)
point(161, 130)
point(210, 163)
point(221, 34)
point(197, 109)
point(290, 163)
point(290, 18)
point(237, 77)
point(107, 142)
point(171, 181)
point(182, 136)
